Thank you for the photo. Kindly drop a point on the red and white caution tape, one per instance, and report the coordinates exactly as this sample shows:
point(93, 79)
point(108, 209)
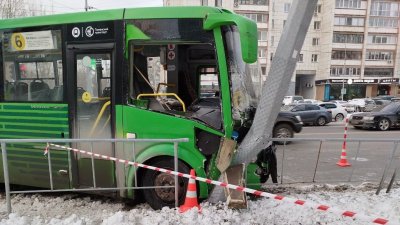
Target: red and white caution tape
point(319, 207)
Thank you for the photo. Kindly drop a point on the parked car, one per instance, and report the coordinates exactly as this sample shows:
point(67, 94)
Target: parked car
point(346, 105)
point(286, 125)
point(363, 104)
point(386, 118)
point(380, 103)
point(310, 114)
point(338, 111)
point(288, 100)
point(395, 100)
point(340, 102)
point(310, 101)
point(385, 97)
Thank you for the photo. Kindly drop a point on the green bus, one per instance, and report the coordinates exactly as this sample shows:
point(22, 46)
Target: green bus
point(176, 72)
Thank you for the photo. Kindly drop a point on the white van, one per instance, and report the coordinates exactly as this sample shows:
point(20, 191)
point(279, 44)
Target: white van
point(287, 100)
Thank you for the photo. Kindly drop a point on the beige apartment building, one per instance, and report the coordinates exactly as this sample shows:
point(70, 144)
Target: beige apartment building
point(347, 39)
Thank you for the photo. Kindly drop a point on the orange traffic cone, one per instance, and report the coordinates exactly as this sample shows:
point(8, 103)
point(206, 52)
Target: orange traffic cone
point(343, 159)
point(191, 195)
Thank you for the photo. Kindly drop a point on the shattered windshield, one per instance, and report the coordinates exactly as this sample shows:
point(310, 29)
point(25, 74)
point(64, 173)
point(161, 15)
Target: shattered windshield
point(242, 89)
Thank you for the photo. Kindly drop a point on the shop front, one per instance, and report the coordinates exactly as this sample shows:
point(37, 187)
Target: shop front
point(332, 89)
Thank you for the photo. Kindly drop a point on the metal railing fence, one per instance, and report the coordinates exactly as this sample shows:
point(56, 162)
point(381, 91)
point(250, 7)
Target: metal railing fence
point(95, 188)
point(371, 159)
point(304, 160)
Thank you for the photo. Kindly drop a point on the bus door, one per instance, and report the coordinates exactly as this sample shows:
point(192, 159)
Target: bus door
point(90, 71)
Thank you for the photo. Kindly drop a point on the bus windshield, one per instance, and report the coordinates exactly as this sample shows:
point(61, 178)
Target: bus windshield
point(242, 89)
point(174, 69)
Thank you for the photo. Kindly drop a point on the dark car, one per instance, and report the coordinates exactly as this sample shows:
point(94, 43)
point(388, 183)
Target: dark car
point(286, 125)
point(310, 114)
point(386, 118)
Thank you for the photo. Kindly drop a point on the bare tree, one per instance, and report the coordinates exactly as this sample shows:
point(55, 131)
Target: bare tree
point(20, 8)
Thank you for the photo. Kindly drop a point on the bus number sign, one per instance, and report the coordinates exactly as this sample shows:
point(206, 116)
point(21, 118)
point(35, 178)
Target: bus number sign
point(18, 41)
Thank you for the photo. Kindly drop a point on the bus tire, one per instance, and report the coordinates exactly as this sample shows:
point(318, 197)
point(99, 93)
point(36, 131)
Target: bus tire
point(163, 197)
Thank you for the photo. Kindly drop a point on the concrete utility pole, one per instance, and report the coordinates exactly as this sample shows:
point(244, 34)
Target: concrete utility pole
point(86, 5)
point(278, 80)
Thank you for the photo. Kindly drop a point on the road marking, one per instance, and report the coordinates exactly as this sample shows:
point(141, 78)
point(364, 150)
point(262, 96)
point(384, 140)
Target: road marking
point(360, 159)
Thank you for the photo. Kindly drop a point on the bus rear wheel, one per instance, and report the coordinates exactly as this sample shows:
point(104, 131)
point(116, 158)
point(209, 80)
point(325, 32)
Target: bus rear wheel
point(158, 198)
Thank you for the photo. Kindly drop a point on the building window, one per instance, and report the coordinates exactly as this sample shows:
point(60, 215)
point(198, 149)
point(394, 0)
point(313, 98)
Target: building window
point(272, 40)
point(339, 71)
point(286, 7)
point(315, 41)
point(300, 58)
point(350, 55)
point(348, 4)
point(271, 56)
point(314, 58)
point(252, 2)
point(349, 21)
point(378, 72)
point(348, 38)
point(273, 24)
point(384, 8)
point(379, 55)
point(317, 25)
point(218, 3)
point(383, 22)
point(262, 53)
point(262, 35)
point(284, 22)
point(264, 70)
point(256, 17)
point(318, 9)
point(204, 2)
point(381, 39)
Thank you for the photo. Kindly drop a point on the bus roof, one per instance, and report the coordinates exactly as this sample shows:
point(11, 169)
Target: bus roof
point(113, 14)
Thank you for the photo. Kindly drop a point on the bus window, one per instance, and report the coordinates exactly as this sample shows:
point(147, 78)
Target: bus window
point(33, 66)
point(209, 84)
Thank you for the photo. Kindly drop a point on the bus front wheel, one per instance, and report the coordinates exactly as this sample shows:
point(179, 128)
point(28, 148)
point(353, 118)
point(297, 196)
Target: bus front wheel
point(158, 198)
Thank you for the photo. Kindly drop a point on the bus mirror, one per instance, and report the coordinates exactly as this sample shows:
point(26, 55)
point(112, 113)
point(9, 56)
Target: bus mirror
point(247, 30)
point(133, 33)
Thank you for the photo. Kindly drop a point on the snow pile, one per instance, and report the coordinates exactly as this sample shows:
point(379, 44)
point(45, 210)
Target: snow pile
point(73, 209)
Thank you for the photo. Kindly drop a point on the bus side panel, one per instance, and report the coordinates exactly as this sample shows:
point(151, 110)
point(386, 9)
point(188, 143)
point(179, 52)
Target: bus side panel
point(27, 163)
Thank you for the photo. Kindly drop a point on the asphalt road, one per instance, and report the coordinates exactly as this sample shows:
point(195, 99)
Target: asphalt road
point(308, 162)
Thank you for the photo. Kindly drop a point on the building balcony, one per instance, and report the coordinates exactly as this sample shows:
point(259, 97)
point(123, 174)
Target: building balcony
point(353, 12)
point(383, 30)
point(347, 62)
point(346, 46)
point(350, 29)
point(392, 47)
point(262, 25)
point(262, 61)
point(263, 43)
point(379, 63)
point(263, 8)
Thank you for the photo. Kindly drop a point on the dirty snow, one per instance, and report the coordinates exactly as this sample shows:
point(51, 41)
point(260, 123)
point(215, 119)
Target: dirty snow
point(74, 209)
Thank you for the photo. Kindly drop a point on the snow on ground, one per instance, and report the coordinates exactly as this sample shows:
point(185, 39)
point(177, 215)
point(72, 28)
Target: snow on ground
point(74, 209)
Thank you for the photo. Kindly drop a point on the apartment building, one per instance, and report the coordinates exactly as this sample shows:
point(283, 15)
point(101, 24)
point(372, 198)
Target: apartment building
point(347, 39)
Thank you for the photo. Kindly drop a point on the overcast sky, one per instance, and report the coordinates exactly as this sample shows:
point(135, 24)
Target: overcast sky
point(60, 6)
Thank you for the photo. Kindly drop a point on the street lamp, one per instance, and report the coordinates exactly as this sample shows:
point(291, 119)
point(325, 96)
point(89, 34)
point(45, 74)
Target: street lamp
point(343, 91)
